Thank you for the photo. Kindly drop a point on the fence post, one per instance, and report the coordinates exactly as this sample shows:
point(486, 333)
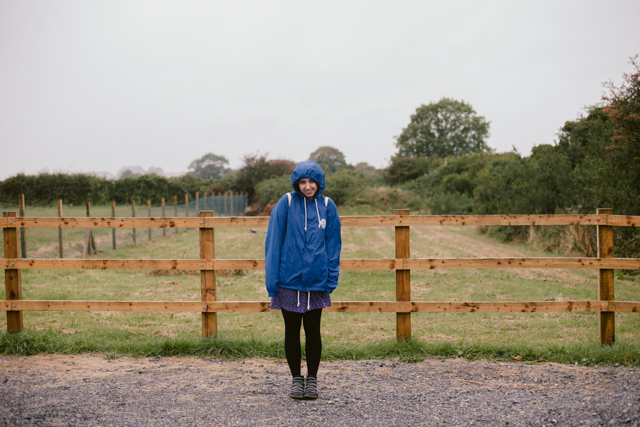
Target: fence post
point(113, 230)
point(175, 205)
point(149, 211)
point(234, 203)
point(606, 319)
point(133, 215)
point(208, 278)
point(12, 277)
point(89, 242)
point(403, 278)
point(23, 237)
point(186, 205)
point(164, 229)
point(60, 247)
point(197, 203)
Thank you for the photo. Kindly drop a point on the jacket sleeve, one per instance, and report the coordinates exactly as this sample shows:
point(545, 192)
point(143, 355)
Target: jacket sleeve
point(273, 244)
point(333, 243)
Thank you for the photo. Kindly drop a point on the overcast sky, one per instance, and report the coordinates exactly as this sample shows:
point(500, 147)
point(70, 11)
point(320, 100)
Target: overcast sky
point(98, 85)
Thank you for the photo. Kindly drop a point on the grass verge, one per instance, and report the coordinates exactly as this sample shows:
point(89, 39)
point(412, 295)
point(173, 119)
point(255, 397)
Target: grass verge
point(30, 342)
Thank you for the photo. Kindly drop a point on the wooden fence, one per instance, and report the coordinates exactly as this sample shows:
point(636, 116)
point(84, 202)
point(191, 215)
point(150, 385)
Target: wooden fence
point(229, 203)
point(402, 264)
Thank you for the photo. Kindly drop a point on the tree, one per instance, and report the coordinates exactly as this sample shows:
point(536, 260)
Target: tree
point(623, 107)
point(257, 168)
point(329, 158)
point(445, 128)
point(404, 168)
point(210, 166)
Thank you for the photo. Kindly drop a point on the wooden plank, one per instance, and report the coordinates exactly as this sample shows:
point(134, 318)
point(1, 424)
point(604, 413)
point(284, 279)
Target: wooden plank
point(546, 262)
point(69, 222)
point(623, 221)
point(368, 264)
point(403, 277)
point(337, 306)
point(606, 320)
point(131, 264)
point(471, 307)
point(345, 264)
point(349, 221)
point(624, 306)
point(150, 306)
point(12, 276)
point(473, 220)
point(207, 277)
point(237, 221)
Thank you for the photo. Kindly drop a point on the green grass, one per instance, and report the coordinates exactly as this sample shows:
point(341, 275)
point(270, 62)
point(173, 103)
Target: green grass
point(561, 337)
point(230, 347)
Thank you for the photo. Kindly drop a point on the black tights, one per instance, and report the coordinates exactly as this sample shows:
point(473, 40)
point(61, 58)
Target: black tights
point(313, 345)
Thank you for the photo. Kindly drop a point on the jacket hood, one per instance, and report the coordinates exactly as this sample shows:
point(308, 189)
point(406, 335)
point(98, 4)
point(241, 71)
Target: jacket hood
point(308, 169)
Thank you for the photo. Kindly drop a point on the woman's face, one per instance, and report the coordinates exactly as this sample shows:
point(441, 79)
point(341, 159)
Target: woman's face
point(308, 187)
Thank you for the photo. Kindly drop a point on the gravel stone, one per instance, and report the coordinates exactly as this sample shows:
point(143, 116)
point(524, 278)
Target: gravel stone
point(38, 391)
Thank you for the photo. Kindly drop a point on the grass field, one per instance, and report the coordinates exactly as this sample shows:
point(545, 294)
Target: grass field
point(541, 336)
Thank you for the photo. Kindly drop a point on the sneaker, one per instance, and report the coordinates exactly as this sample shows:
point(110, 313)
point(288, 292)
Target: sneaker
point(297, 388)
point(311, 390)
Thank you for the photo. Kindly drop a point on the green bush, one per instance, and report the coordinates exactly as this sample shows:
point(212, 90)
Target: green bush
point(271, 190)
point(346, 187)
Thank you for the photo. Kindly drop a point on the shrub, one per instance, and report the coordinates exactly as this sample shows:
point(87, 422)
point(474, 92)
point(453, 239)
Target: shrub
point(271, 190)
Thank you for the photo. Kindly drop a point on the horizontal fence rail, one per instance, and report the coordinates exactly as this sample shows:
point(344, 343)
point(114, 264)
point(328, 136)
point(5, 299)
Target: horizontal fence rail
point(12, 263)
point(345, 264)
point(346, 221)
point(339, 306)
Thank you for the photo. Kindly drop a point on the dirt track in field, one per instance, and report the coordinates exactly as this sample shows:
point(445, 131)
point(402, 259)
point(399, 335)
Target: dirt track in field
point(88, 390)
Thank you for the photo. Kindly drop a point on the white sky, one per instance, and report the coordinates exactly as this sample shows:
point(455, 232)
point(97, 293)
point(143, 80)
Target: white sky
point(98, 85)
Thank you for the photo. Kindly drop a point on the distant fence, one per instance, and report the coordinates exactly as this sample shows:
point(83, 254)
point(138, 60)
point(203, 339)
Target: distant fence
point(402, 264)
point(224, 204)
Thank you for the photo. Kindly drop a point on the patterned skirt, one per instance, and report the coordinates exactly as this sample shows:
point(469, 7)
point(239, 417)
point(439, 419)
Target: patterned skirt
point(300, 302)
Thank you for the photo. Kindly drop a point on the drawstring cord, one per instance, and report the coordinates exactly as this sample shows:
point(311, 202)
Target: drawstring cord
point(318, 212)
point(305, 215)
point(308, 300)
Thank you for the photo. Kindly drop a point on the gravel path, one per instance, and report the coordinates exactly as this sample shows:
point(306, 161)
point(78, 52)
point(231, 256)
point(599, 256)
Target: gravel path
point(88, 390)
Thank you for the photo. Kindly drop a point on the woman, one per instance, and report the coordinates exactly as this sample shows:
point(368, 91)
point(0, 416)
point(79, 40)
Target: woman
point(302, 263)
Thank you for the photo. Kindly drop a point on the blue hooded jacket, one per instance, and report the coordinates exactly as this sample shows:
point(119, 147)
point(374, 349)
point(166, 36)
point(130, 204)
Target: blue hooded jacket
point(298, 259)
